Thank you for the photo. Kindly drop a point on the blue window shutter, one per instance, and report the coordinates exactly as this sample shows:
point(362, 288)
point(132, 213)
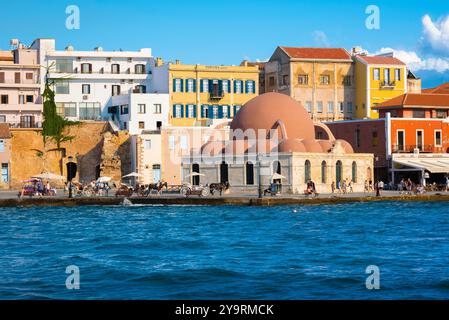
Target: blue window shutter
point(211, 85)
point(229, 111)
point(194, 110)
point(201, 85)
point(254, 86)
point(182, 84)
point(174, 85)
point(194, 85)
point(246, 86)
point(182, 111)
point(220, 86)
point(235, 86)
point(220, 112)
point(174, 111)
point(229, 86)
point(211, 112)
point(202, 111)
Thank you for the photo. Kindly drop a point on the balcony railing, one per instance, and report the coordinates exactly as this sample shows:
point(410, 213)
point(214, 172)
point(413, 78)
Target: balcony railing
point(216, 95)
point(77, 71)
point(387, 84)
point(24, 125)
point(411, 148)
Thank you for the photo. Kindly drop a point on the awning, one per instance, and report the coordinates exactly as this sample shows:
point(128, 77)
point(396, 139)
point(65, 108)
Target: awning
point(433, 165)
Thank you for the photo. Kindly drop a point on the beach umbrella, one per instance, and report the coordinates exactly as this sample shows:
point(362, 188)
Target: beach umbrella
point(104, 179)
point(277, 176)
point(48, 176)
point(133, 175)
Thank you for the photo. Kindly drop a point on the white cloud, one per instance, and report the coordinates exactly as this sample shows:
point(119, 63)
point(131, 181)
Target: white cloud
point(436, 33)
point(321, 38)
point(416, 63)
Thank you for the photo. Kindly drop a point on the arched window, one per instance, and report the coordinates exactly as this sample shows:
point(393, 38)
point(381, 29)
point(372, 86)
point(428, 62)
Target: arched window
point(249, 173)
point(224, 172)
point(139, 68)
point(115, 68)
point(307, 171)
point(354, 172)
point(195, 178)
point(338, 171)
point(323, 172)
point(277, 167)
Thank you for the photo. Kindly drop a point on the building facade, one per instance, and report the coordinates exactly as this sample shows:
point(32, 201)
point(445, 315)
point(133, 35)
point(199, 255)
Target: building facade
point(200, 95)
point(5, 155)
point(321, 79)
point(378, 79)
point(20, 99)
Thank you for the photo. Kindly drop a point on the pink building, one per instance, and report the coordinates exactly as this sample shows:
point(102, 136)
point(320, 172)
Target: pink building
point(20, 99)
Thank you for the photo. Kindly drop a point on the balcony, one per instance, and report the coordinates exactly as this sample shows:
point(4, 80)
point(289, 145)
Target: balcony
point(27, 107)
point(216, 95)
point(387, 85)
point(25, 125)
point(422, 149)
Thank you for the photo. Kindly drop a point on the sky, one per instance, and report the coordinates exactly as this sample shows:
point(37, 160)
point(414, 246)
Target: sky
point(227, 32)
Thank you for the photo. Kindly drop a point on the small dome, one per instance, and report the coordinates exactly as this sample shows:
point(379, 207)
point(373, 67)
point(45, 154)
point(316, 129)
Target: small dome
point(326, 145)
point(291, 145)
point(312, 145)
point(263, 111)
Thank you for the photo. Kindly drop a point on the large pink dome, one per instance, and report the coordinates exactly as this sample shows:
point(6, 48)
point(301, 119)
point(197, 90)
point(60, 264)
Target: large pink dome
point(263, 111)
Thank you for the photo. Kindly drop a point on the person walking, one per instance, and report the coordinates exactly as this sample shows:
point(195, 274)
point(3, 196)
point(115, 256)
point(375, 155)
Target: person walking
point(333, 187)
point(380, 186)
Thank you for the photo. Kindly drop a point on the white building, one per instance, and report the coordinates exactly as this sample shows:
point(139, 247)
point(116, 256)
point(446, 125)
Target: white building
point(98, 85)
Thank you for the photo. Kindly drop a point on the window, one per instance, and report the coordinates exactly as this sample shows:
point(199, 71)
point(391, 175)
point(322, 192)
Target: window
point(86, 68)
point(27, 122)
point(338, 172)
point(4, 99)
point(250, 87)
point(141, 108)
point(249, 170)
point(171, 142)
point(141, 124)
point(190, 85)
point(271, 81)
point(374, 138)
point(277, 167)
point(139, 69)
point(115, 90)
point(330, 107)
point(89, 111)
point(387, 75)
point(64, 66)
point(347, 81)
point(285, 80)
point(397, 74)
point(86, 88)
point(319, 106)
point(62, 87)
point(441, 114)
point(438, 138)
point(400, 140)
point(204, 111)
point(2, 77)
point(354, 172)
point(124, 109)
point(225, 112)
point(307, 171)
point(303, 79)
point(324, 80)
point(177, 85)
point(357, 138)
point(419, 113)
point(341, 107)
point(184, 143)
point(178, 111)
point(309, 106)
point(115, 68)
point(204, 85)
point(147, 144)
point(29, 76)
point(29, 98)
point(21, 99)
point(2, 145)
point(323, 172)
point(420, 139)
point(214, 112)
point(238, 86)
point(190, 111)
point(157, 108)
point(5, 173)
point(349, 107)
point(140, 89)
point(196, 178)
point(376, 74)
point(2, 118)
point(225, 86)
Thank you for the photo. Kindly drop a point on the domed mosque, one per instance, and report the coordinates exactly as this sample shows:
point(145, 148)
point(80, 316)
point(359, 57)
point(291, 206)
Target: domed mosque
point(272, 137)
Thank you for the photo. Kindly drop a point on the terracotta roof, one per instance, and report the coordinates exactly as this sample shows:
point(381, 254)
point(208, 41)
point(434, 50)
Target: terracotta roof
point(4, 131)
point(317, 53)
point(416, 99)
point(380, 60)
point(441, 89)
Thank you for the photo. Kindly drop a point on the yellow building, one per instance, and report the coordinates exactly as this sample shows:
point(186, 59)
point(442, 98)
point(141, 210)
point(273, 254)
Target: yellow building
point(378, 79)
point(199, 94)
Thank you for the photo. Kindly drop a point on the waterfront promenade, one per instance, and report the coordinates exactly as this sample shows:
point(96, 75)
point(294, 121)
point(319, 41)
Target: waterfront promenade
point(10, 199)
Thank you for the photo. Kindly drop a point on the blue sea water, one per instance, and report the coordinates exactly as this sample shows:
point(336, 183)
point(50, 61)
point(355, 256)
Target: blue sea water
point(205, 252)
